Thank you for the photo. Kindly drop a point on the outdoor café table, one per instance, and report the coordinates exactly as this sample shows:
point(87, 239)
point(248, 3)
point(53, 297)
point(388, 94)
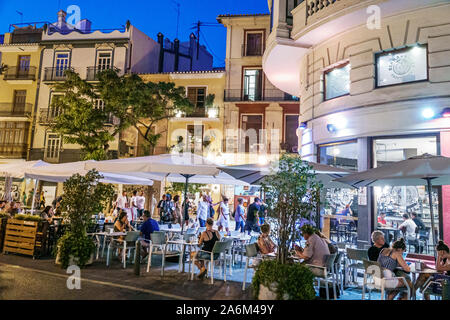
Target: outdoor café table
point(183, 245)
point(106, 235)
point(416, 273)
point(170, 231)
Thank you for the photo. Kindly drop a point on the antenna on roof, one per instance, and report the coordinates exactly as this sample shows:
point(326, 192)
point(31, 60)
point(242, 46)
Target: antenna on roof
point(21, 16)
point(178, 15)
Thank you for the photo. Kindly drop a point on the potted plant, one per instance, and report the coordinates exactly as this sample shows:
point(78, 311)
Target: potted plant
point(83, 197)
point(291, 195)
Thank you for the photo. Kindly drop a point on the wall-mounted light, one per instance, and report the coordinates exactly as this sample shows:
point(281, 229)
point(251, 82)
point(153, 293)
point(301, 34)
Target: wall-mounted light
point(428, 113)
point(331, 128)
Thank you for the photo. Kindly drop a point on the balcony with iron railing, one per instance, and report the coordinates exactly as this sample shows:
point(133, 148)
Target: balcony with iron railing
point(233, 95)
point(56, 74)
point(92, 72)
point(11, 109)
point(199, 112)
point(47, 115)
point(13, 150)
point(20, 73)
point(249, 51)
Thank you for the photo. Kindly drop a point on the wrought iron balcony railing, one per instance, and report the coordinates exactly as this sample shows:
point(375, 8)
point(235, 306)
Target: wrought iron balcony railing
point(20, 73)
point(15, 109)
point(231, 95)
point(92, 72)
point(56, 73)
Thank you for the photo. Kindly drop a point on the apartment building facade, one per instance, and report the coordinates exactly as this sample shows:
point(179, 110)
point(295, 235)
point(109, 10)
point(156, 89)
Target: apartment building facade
point(20, 62)
point(373, 77)
point(260, 121)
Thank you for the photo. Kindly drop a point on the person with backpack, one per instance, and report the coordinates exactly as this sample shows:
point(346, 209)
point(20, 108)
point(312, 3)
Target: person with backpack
point(252, 218)
point(239, 215)
point(167, 209)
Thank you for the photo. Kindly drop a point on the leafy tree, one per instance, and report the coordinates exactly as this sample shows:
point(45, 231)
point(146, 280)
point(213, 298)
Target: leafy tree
point(127, 99)
point(178, 188)
point(142, 104)
point(80, 121)
point(291, 194)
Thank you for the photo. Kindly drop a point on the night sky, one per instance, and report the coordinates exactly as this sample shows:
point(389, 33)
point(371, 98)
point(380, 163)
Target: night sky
point(150, 16)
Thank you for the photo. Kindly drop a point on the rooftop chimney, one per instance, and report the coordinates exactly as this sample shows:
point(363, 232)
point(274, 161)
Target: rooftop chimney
point(62, 17)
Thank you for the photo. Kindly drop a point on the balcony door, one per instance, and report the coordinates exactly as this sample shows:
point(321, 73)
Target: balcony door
point(53, 147)
point(251, 126)
point(104, 61)
point(61, 64)
point(254, 44)
point(24, 65)
point(194, 138)
point(252, 84)
point(20, 97)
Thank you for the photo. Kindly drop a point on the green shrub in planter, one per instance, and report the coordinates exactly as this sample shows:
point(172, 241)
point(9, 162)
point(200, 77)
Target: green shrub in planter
point(292, 281)
point(27, 217)
point(83, 197)
point(75, 246)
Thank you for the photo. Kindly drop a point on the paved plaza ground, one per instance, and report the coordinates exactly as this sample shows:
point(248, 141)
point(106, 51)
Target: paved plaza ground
point(24, 278)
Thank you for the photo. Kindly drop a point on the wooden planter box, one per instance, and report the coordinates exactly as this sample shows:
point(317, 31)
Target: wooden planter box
point(3, 222)
point(23, 237)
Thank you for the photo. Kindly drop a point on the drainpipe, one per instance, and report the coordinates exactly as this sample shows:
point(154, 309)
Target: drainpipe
point(161, 52)
point(177, 53)
point(33, 123)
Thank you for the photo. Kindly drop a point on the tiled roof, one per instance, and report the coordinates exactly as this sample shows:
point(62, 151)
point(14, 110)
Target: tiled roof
point(187, 72)
point(242, 15)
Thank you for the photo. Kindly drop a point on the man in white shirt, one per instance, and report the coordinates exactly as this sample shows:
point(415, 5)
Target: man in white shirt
point(140, 203)
point(122, 201)
point(410, 227)
point(202, 211)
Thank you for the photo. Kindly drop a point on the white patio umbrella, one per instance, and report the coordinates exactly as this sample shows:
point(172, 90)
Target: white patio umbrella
point(63, 171)
point(17, 170)
point(255, 174)
point(170, 166)
point(416, 171)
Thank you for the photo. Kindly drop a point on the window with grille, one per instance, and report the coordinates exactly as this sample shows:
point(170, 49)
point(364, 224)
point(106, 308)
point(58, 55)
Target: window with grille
point(196, 96)
point(104, 60)
point(53, 146)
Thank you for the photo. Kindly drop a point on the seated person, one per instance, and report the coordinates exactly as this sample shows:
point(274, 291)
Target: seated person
point(147, 228)
point(382, 220)
point(47, 214)
point(390, 260)
point(442, 265)
point(419, 223)
point(265, 244)
point(347, 210)
point(316, 248)
point(207, 238)
point(122, 224)
point(379, 244)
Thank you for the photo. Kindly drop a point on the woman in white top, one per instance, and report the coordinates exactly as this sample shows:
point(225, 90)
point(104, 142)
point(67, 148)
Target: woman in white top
point(224, 215)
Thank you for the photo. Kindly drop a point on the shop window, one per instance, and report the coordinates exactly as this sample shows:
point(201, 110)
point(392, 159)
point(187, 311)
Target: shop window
point(402, 66)
point(341, 155)
point(395, 201)
point(337, 82)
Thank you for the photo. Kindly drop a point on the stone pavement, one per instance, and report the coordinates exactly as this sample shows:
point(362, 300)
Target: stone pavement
point(24, 278)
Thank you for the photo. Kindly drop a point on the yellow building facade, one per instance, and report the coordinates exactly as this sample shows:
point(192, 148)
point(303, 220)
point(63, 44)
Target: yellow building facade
point(19, 82)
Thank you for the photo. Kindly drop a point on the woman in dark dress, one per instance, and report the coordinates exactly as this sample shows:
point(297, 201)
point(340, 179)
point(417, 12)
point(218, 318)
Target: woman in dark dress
point(207, 238)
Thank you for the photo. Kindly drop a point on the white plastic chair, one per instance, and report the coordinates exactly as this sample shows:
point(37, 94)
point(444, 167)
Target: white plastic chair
point(128, 243)
point(218, 249)
point(251, 252)
point(374, 273)
point(326, 274)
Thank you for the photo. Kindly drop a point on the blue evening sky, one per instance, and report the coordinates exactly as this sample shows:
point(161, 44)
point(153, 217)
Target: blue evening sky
point(150, 16)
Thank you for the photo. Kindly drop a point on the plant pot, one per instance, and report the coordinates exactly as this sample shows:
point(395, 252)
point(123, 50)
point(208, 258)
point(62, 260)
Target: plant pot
point(269, 293)
point(73, 259)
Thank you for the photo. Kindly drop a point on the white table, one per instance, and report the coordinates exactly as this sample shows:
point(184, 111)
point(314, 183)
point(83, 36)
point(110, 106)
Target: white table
point(183, 245)
point(106, 235)
point(416, 273)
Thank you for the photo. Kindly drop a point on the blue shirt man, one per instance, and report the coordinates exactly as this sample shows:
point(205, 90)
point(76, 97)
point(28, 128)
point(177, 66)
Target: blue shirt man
point(149, 226)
